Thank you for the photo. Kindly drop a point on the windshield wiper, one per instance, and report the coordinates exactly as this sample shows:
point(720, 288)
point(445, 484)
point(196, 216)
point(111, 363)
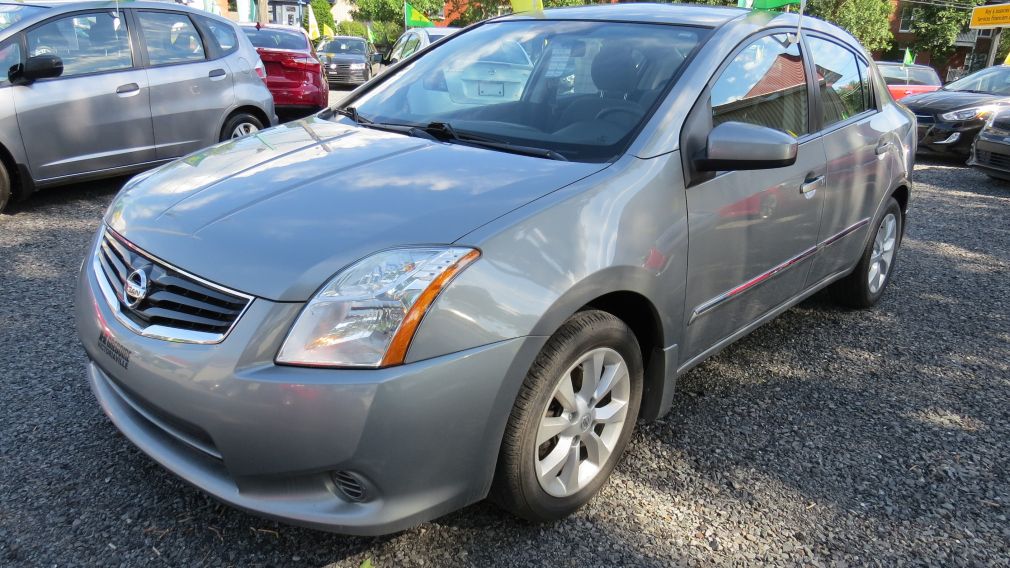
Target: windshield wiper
point(351, 113)
point(445, 131)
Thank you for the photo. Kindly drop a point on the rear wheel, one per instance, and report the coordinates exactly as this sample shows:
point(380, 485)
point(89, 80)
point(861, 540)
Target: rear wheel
point(239, 125)
point(572, 420)
point(864, 287)
point(5, 188)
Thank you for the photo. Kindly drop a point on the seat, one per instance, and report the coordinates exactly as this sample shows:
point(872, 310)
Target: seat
point(616, 77)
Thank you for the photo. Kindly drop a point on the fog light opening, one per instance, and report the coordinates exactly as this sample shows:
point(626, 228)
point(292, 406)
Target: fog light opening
point(350, 486)
point(950, 139)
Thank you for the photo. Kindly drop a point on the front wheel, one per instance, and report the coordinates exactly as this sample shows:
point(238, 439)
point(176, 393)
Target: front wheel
point(242, 124)
point(572, 419)
point(864, 287)
point(5, 188)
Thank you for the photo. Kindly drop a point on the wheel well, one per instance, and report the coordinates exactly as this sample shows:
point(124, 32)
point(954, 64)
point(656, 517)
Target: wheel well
point(255, 111)
point(641, 316)
point(901, 196)
point(17, 185)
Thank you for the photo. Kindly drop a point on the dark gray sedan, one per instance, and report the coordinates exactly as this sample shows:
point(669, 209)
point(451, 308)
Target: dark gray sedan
point(466, 284)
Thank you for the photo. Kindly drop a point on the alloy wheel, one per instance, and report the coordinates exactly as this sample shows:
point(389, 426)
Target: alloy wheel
point(883, 252)
point(582, 422)
point(243, 129)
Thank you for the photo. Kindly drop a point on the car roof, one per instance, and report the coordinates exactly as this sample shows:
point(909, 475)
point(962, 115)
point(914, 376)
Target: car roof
point(344, 37)
point(67, 6)
point(709, 16)
point(899, 64)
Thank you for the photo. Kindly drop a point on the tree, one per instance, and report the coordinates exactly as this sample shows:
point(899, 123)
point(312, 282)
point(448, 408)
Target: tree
point(867, 20)
point(392, 10)
point(349, 28)
point(323, 15)
point(936, 27)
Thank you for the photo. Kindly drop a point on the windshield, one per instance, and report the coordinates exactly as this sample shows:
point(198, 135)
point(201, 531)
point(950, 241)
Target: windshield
point(342, 45)
point(580, 89)
point(993, 80)
point(10, 15)
point(277, 39)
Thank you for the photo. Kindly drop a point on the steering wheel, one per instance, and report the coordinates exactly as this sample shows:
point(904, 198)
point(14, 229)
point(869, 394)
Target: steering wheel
point(635, 114)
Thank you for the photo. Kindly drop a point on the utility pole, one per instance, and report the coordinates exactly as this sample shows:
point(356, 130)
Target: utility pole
point(993, 46)
point(262, 12)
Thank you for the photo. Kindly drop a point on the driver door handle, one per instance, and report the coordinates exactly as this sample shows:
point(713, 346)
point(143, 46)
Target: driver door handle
point(127, 89)
point(812, 184)
point(216, 73)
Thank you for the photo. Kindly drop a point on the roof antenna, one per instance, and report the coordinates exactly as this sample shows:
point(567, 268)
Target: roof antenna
point(799, 24)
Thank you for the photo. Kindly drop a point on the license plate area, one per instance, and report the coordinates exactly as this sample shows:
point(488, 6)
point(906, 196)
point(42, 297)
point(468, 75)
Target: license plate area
point(490, 89)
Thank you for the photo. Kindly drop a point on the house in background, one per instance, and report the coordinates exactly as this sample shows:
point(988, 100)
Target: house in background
point(971, 48)
point(342, 10)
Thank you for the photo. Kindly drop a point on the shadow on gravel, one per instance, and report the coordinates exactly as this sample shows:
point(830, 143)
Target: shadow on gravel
point(66, 195)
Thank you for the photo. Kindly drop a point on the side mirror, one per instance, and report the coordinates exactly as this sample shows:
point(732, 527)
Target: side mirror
point(742, 146)
point(377, 57)
point(35, 68)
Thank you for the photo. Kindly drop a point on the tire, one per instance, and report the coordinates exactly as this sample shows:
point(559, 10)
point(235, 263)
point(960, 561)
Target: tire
point(245, 120)
point(5, 188)
point(517, 486)
point(856, 290)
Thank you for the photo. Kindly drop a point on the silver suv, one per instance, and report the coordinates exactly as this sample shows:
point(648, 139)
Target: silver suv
point(90, 90)
point(465, 283)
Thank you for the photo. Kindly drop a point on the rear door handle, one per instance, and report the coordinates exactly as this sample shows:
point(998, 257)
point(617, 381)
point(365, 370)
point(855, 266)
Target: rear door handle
point(216, 73)
point(812, 185)
point(127, 89)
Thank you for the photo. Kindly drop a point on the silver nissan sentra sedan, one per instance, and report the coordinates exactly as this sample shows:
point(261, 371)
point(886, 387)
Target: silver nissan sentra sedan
point(472, 279)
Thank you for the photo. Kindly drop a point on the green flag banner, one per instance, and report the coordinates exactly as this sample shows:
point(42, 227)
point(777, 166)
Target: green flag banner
point(909, 58)
point(414, 19)
point(767, 4)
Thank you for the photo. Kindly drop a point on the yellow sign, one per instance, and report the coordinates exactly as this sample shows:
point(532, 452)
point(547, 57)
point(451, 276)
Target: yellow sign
point(988, 17)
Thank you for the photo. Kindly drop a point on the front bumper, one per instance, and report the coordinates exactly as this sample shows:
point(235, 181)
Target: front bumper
point(421, 438)
point(947, 137)
point(992, 155)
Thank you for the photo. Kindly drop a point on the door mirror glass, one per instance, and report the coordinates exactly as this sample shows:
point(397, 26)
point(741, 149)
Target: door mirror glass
point(742, 146)
point(38, 67)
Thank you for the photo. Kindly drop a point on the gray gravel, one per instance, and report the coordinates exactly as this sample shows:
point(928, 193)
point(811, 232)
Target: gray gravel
point(827, 437)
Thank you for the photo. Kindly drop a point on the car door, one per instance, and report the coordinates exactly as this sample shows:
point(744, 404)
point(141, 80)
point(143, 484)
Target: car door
point(190, 92)
point(751, 233)
point(97, 114)
point(856, 143)
point(395, 52)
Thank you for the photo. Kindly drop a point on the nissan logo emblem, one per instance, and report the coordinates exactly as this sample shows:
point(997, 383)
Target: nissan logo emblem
point(135, 289)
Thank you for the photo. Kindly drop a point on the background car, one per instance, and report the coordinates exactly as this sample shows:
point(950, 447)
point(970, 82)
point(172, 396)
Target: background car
point(905, 80)
point(414, 40)
point(294, 73)
point(100, 90)
point(384, 313)
point(348, 60)
point(990, 153)
point(951, 117)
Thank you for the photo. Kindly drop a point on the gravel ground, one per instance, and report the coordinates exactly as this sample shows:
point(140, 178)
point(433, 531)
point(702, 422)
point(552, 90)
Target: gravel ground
point(827, 437)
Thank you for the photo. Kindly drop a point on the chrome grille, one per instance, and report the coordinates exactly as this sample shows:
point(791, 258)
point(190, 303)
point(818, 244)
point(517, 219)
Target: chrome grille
point(177, 306)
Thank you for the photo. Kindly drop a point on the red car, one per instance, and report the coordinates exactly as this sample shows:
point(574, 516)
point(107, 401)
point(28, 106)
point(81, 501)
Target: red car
point(904, 80)
point(294, 73)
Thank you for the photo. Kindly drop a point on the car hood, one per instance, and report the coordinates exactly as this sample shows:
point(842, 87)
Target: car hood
point(341, 57)
point(277, 214)
point(944, 101)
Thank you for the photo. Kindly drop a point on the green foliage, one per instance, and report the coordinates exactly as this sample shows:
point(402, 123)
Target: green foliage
point(867, 20)
point(349, 28)
point(323, 15)
point(392, 10)
point(367, 563)
point(935, 29)
point(385, 33)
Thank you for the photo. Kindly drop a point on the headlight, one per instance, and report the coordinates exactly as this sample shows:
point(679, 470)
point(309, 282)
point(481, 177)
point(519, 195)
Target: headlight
point(366, 315)
point(357, 66)
point(973, 113)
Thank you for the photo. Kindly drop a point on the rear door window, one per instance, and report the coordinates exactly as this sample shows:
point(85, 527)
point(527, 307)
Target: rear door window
point(87, 43)
point(170, 38)
point(766, 85)
point(843, 89)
